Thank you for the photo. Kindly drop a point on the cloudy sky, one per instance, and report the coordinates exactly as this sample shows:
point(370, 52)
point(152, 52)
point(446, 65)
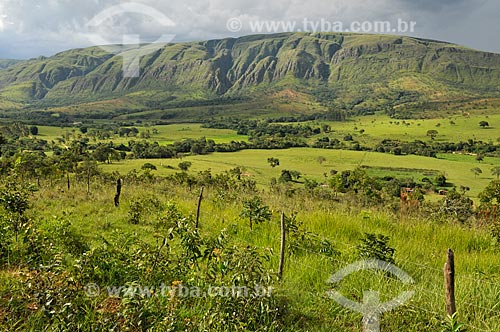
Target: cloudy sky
point(29, 28)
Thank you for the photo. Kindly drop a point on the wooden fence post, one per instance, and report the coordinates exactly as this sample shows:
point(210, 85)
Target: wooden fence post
point(282, 248)
point(449, 277)
point(199, 207)
point(88, 177)
point(118, 192)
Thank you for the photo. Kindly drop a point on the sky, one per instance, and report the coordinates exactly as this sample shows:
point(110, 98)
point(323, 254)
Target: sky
point(30, 28)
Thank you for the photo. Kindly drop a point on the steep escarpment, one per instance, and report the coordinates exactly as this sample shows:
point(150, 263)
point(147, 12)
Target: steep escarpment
point(352, 66)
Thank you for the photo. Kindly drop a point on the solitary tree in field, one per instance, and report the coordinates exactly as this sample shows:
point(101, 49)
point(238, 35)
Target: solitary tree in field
point(34, 130)
point(432, 133)
point(477, 171)
point(479, 157)
point(273, 162)
point(184, 166)
point(496, 171)
point(321, 160)
point(148, 166)
point(484, 124)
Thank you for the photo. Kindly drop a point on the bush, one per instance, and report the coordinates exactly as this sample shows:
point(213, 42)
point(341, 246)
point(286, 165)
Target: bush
point(255, 211)
point(185, 165)
point(376, 246)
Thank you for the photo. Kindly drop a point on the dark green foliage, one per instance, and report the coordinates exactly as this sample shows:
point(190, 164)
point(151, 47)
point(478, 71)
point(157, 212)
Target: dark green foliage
point(484, 124)
point(432, 133)
point(457, 206)
point(148, 166)
point(34, 130)
point(142, 209)
point(495, 171)
point(14, 200)
point(286, 176)
point(365, 189)
point(185, 165)
point(440, 180)
point(376, 246)
point(476, 171)
point(273, 162)
point(255, 211)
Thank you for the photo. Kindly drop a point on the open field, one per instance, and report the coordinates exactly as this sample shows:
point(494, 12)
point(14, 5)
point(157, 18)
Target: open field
point(375, 129)
point(305, 160)
point(379, 127)
point(166, 134)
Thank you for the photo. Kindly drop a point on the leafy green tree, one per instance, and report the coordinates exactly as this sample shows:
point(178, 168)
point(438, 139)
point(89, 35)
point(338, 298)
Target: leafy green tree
point(457, 206)
point(104, 153)
point(321, 160)
point(495, 171)
point(185, 165)
point(86, 170)
point(286, 176)
point(491, 194)
point(476, 171)
point(484, 124)
point(149, 166)
point(67, 163)
point(34, 130)
point(255, 211)
point(440, 180)
point(27, 164)
point(432, 133)
point(273, 162)
point(14, 199)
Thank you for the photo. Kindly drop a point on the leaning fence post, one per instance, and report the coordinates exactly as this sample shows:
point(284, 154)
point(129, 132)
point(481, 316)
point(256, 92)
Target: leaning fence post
point(282, 248)
point(199, 207)
point(449, 277)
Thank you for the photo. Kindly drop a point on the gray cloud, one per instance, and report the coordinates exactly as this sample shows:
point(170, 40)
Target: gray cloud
point(29, 28)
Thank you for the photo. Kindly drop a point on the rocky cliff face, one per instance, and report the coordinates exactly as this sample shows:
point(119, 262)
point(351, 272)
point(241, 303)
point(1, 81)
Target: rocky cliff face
point(230, 66)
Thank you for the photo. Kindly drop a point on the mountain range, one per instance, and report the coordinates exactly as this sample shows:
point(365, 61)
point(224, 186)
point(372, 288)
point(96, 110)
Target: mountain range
point(349, 71)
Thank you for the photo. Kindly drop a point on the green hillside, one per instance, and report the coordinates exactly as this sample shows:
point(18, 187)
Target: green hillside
point(5, 63)
point(349, 71)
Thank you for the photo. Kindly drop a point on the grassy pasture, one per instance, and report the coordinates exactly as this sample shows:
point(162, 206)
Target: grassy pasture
point(167, 134)
point(305, 160)
point(420, 251)
point(380, 127)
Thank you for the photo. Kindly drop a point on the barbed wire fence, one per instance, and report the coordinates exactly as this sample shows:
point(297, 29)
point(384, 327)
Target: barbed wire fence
point(327, 269)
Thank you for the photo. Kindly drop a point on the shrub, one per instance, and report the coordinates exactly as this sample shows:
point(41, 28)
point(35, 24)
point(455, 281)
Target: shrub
point(255, 211)
point(185, 165)
point(376, 246)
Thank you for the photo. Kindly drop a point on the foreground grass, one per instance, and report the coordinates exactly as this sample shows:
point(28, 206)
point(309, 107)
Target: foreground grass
point(420, 251)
